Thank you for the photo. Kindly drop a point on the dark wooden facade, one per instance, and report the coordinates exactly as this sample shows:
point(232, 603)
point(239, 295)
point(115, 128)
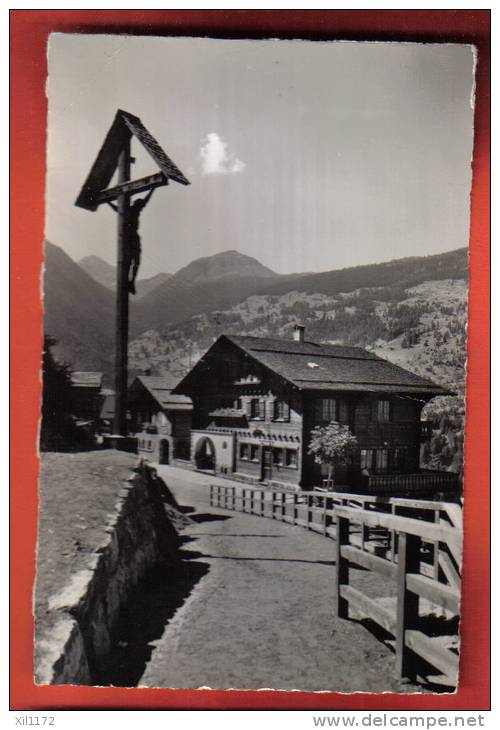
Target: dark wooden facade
point(249, 403)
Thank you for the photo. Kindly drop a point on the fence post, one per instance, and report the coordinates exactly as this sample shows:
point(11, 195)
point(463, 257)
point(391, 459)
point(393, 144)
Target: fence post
point(234, 498)
point(341, 566)
point(325, 515)
point(407, 610)
point(308, 511)
point(365, 530)
point(392, 537)
point(262, 503)
point(283, 506)
point(435, 554)
point(211, 495)
point(251, 501)
point(273, 505)
point(295, 509)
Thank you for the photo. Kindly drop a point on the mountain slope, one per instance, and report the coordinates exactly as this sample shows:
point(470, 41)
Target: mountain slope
point(100, 270)
point(79, 313)
point(400, 273)
point(422, 328)
point(203, 300)
point(191, 292)
point(205, 284)
point(220, 266)
point(105, 274)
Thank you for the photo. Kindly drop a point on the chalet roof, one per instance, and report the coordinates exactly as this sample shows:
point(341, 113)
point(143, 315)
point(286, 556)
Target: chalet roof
point(160, 388)
point(315, 366)
point(124, 126)
point(81, 379)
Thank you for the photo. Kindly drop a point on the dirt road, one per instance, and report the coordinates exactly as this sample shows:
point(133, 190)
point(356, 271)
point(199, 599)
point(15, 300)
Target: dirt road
point(258, 611)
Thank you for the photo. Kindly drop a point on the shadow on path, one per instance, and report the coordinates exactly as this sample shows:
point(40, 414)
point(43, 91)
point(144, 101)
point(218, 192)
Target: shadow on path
point(209, 517)
point(144, 619)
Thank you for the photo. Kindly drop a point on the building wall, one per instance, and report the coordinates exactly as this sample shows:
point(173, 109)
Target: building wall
point(223, 450)
point(230, 379)
point(174, 427)
point(399, 436)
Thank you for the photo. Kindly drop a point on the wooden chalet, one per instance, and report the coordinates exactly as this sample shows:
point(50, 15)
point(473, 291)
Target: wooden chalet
point(160, 419)
point(256, 401)
point(86, 395)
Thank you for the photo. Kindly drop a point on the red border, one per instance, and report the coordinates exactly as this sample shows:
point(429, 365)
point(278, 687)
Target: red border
point(29, 32)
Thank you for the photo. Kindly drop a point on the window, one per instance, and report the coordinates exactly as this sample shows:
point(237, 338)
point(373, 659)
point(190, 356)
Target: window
point(383, 410)
point(258, 408)
point(254, 408)
point(278, 457)
point(281, 410)
point(291, 456)
point(244, 451)
point(366, 459)
point(326, 409)
point(254, 452)
point(381, 461)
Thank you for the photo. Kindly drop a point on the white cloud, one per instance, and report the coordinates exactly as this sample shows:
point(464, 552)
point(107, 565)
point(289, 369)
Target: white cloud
point(216, 159)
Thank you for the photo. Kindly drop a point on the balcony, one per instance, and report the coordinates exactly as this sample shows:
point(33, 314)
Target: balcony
point(422, 482)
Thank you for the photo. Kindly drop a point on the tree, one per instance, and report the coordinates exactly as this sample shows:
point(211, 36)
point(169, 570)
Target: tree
point(333, 445)
point(56, 400)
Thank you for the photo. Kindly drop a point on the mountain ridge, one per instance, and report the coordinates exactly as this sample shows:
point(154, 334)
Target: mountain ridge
point(80, 311)
point(105, 273)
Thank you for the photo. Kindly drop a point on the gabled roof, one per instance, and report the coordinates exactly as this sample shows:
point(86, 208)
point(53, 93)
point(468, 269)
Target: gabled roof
point(160, 388)
point(81, 379)
point(315, 366)
point(124, 126)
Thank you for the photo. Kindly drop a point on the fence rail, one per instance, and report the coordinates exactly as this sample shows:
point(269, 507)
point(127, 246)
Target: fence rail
point(423, 481)
point(415, 543)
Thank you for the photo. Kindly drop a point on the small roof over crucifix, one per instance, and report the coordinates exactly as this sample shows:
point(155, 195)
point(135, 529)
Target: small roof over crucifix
point(95, 189)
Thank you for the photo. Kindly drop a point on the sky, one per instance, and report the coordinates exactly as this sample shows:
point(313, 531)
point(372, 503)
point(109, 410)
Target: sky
point(308, 156)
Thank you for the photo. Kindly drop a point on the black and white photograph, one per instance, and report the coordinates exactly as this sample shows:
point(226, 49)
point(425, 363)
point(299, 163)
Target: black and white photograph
point(255, 294)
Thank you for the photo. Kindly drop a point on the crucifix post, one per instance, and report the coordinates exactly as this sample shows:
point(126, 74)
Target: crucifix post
point(122, 273)
point(115, 155)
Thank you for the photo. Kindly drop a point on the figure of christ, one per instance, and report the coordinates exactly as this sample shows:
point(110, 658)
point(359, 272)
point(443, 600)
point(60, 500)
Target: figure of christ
point(133, 240)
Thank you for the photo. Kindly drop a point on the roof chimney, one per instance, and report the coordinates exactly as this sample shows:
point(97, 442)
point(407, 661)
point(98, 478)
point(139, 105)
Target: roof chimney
point(299, 332)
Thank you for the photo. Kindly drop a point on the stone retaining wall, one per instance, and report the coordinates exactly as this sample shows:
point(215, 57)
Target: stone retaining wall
point(139, 537)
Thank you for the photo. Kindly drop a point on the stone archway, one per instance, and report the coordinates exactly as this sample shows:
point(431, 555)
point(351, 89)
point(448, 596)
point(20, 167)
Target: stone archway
point(204, 455)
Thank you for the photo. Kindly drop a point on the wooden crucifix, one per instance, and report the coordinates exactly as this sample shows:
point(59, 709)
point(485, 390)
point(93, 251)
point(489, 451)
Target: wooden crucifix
point(115, 154)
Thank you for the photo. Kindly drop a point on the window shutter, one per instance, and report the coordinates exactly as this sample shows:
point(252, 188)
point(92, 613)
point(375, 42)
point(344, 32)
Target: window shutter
point(248, 408)
point(262, 409)
point(286, 411)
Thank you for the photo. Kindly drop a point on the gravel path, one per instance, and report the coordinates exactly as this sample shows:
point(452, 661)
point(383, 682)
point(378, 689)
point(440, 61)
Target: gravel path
point(261, 613)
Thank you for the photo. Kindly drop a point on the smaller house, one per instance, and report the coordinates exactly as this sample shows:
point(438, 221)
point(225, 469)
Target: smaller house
point(86, 398)
point(161, 421)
